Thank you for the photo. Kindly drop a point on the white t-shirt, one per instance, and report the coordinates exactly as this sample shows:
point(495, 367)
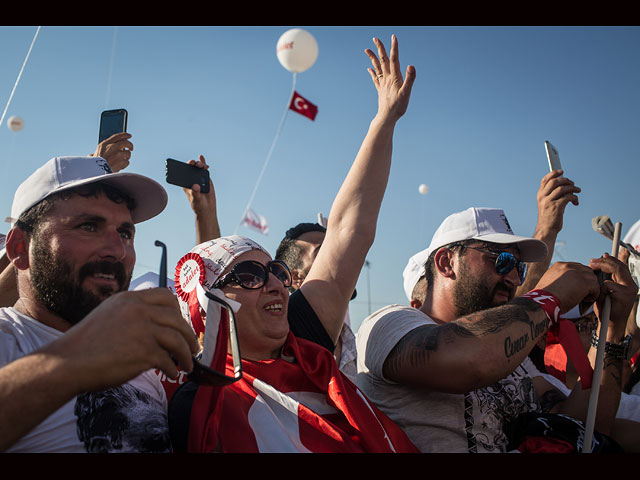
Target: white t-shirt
point(129, 418)
point(435, 421)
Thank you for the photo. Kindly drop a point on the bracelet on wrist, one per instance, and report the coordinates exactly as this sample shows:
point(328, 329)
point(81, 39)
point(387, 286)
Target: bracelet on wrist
point(621, 350)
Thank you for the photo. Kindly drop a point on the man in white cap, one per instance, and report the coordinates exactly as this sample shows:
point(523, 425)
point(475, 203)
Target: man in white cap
point(454, 373)
point(116, 150)
point(77, 350)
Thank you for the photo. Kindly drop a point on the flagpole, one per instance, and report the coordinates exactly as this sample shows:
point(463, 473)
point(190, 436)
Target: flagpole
point(19, 75)
point(597, 371)
point(273, 144)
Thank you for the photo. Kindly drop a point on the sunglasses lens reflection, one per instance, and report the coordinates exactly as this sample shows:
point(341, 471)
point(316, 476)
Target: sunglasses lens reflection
point(506, 262)
point(250, 274)
point(282, 273)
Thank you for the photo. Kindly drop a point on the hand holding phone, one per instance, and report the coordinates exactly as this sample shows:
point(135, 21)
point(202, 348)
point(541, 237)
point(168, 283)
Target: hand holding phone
point(112, 122)
point(552, 156)
point(184, 175)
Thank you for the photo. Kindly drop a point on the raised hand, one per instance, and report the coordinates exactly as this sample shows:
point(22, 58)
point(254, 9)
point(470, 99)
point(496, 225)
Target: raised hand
point(554, 194)
point(393, 91)
point(204, 206)
point(116, 150)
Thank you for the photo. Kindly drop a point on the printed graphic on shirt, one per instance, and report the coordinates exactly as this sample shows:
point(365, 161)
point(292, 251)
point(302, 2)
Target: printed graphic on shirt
point(491, 408)
point(122, 419)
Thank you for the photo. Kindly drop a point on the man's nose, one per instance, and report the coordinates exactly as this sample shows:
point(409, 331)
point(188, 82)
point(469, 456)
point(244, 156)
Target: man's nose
point(113, 246)
point(513, 277)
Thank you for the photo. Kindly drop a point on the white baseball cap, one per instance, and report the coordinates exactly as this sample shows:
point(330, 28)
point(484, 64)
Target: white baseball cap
point(414, 271)
point(63, 173)
point(485, 224)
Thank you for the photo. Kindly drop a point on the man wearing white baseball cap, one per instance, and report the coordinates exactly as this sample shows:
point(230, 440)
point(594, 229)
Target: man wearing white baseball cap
point(77, 350)
point(454, 373)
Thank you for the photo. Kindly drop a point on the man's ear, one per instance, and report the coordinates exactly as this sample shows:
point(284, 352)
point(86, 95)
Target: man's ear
point(415, 303)
point(443, 262)
point(297, 277)
point(17, 245)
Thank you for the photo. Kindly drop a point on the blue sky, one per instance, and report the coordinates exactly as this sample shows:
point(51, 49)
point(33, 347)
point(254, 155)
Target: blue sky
point(484, 101)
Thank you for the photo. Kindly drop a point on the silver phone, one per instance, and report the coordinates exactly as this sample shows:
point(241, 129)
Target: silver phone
point(552, 156)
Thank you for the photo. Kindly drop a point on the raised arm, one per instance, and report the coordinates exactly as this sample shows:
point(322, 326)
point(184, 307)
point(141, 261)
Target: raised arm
point(204, 207)
point(554, 194)
point(354, 213)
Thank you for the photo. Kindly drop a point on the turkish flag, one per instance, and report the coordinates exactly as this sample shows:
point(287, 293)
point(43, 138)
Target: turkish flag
point(303, 106)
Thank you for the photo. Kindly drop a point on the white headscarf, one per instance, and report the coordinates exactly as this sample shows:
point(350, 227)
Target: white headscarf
point(198, 271)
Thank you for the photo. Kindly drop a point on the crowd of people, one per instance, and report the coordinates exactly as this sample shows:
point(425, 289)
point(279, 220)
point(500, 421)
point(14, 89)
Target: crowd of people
point(251, 353)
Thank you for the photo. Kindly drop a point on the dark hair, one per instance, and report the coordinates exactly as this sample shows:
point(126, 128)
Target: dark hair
point(30, 220)
point(301, 228)
point(420, 290)
point(289, 251)
point(429, 265)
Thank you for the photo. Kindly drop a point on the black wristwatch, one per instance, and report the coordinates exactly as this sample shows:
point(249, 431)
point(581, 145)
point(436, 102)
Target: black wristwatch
point(620, 350)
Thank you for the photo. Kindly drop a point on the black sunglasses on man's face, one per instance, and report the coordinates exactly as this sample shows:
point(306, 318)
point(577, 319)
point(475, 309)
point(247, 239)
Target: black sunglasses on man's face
point(200, 373)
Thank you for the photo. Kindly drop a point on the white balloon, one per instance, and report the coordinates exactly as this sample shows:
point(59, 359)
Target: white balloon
point(15, 123)
point(297, 50)
point(423, 189)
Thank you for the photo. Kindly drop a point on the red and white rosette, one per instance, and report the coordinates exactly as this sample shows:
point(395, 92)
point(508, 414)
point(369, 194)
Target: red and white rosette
point(189, 274)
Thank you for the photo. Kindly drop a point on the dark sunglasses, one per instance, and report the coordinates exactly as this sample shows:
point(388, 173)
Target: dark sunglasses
point(200, 373)
point(505, 262)
point(253, 275)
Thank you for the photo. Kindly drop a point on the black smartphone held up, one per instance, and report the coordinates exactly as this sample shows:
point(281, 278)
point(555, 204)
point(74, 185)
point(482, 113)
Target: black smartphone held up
point(112, 122)
point(185, 175)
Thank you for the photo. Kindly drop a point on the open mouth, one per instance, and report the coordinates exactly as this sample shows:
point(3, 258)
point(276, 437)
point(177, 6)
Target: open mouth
point(106, 274)
point(275, 307)
point(105, 280)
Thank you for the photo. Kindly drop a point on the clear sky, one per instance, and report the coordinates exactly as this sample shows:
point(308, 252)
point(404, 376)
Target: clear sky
point(484, 101)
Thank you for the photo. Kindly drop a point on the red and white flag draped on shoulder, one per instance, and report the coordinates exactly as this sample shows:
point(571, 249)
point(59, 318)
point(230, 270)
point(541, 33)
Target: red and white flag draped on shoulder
point(299, 402)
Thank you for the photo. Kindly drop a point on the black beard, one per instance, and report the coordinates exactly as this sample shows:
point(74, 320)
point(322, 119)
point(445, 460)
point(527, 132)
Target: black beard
point(471, 295)
point(57, 290)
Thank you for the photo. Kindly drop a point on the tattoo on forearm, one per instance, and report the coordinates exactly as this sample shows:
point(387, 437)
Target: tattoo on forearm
point(411, 349)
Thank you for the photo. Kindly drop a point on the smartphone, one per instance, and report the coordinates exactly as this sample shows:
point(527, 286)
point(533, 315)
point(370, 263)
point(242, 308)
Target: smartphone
point(112, 122)
point(552, 156)
point(185, 175)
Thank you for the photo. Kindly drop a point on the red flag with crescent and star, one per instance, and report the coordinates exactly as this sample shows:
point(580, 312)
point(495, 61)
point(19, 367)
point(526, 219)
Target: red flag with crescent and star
point(303, 106)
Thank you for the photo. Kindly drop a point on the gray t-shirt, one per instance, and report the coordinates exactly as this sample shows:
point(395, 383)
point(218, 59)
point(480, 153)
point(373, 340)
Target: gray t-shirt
point(438, 422)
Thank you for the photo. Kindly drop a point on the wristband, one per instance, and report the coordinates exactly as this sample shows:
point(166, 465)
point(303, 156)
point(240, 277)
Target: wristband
point(550, 305)
point(562, 340)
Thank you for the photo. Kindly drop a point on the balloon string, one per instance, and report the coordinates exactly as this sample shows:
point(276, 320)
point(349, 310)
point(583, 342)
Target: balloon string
point(113, 50)
point(273, 144)
point(19, 75)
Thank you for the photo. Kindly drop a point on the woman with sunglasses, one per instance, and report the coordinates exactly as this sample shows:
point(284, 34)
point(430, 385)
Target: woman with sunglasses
point(260, 387)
